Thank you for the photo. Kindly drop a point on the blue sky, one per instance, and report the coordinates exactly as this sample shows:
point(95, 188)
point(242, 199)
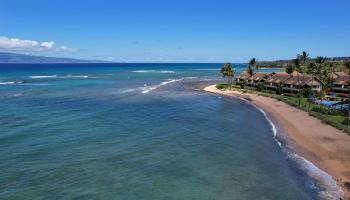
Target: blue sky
point(175, 30)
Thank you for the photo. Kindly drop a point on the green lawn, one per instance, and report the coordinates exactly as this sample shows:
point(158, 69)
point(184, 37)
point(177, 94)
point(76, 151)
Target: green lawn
point(333, 119)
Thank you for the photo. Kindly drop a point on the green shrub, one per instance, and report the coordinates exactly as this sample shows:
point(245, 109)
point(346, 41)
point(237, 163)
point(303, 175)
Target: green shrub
point(242, 84)
point(307, 92)
point(260, 86)
point(221, 86)
point(326, 111)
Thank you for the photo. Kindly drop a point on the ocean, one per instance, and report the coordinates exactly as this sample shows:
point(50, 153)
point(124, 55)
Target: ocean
point(137, 131)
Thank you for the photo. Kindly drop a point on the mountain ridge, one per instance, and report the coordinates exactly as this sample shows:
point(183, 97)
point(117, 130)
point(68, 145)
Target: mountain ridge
point(16, 58)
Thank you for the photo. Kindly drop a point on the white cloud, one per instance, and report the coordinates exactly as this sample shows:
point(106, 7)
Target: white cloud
point(31, 45)
point(48, 45)
point(6, 42)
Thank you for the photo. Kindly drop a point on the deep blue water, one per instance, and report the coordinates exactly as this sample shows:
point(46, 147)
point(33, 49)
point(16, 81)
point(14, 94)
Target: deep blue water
point(135, 131)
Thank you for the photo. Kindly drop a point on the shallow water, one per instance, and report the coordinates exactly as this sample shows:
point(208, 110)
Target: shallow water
point(136, 131)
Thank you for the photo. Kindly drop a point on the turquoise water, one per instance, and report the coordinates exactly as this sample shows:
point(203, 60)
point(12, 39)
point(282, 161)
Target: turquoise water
point(135, 131)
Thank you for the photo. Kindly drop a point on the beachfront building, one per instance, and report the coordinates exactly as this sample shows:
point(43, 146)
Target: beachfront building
point(276, 79)
point(297, 82)
point(242, 77)
point(290, 82)
point(258, 77)
point(341, 82)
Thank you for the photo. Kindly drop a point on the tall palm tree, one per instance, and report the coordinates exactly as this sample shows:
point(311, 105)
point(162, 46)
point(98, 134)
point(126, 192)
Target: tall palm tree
point(289, 69)
point(319, 63)
point(251, 66)
point(250, 70)
point(264, 80)
point(318, 66)
point(323, 75)
point(227, 71)
point(296, 63)
point(252, 62)
point(312, 70)
point(224, 70)
point(347, 65)
point(304, 57)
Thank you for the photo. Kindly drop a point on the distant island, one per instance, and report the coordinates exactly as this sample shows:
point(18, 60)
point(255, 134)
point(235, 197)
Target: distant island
point(8, 58)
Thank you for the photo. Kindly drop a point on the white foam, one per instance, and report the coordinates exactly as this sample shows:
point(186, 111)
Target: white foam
point(11, 82)
point(50, 76)
point(55, 76)
point(17, 95)
point(7, 83)
point(190, 77)
point(154, 71)
point(273, 127)
point(207, 69)
point(126, 91)
point(147, 89)
point(71, 76)
point(333, 191)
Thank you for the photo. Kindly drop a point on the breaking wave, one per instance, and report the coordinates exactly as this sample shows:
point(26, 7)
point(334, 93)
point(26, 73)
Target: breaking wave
point(55, 76)
point(154, 71)
point(146, 89)
point(11, 82)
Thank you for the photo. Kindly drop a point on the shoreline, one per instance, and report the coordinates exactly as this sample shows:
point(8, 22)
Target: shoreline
point(321, 145)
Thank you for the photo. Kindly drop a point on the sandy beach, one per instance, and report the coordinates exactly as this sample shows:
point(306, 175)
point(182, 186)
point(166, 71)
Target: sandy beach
point(325, 146)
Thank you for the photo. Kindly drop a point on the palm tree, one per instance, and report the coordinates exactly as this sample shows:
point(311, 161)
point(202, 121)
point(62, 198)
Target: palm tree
point(230, 73)
point(223, 70)
point(319, 62)
point(264, 80)
point(251, 66)
point(304, 57)
point(252, 63)
point(296, 62)
point(347, 65)
point(250, 71)
point(324, 75)
point(289, 69)
point(312, 70)
point(227, 71)
point(318, 69)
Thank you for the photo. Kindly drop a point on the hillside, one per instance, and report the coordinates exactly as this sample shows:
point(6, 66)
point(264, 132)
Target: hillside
point(21, 58)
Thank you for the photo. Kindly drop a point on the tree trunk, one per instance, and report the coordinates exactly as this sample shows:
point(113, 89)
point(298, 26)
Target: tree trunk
point(349, 106)
point(312, 87)
point(299, 89)
point(349, 112)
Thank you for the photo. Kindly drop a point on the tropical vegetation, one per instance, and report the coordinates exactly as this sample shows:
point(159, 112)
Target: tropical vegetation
point(320, 68)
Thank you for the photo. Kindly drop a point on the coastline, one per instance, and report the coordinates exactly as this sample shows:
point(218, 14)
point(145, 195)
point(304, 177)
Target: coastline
point(307, 136)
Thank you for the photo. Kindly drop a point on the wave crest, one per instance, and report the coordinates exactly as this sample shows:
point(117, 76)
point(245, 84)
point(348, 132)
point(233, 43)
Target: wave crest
point(11, 82)
point(55, 76)
point(154, 71)
point(147, 89)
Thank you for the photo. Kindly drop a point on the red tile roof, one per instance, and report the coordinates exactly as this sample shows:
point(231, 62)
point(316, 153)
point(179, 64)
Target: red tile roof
point(341, 78)
point(279, 77)
point(258, 76)
point(243, 75)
